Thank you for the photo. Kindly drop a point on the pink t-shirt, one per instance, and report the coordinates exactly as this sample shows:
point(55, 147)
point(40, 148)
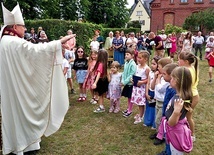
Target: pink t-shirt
point(100, 69)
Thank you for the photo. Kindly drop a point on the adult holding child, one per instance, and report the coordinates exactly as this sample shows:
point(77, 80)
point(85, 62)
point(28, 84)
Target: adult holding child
point(35, 100)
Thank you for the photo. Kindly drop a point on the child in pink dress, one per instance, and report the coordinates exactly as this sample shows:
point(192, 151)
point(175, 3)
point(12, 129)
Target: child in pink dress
point(114, 88)
point(139, 91)
point(89, 80)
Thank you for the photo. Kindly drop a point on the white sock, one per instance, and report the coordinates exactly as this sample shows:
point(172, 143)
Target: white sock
point(101, 106)
point(81, 95)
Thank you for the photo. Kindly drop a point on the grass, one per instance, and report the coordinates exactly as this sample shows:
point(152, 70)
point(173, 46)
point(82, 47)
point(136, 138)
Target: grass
point(86, 133)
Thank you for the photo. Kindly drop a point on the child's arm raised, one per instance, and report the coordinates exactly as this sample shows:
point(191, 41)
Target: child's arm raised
point(154, 80)
point(174, 118)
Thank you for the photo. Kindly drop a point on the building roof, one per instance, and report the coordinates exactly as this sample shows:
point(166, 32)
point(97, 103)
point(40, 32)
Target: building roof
point(146, 5)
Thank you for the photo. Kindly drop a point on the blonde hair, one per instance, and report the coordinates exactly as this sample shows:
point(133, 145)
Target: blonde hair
point(170, 67)
point(183, 79)
point(115, 64)
point(164, 61)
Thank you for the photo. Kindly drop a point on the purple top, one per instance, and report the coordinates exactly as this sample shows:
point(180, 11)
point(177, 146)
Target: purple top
point(156, 40)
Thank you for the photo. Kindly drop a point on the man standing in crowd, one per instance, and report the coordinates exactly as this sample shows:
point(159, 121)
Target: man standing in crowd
point(158, 44)
point(33, 90)
point(163, 37)
point(199, 40)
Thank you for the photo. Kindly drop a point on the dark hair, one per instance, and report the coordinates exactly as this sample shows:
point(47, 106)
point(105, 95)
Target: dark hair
point(130, 51)
point(191, 58)
point(102, 58)
point(190, 38)
point(156, 58)
point(183, 79)
point(76, 55)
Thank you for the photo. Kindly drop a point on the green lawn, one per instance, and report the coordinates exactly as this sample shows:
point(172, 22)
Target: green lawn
point(86, 133)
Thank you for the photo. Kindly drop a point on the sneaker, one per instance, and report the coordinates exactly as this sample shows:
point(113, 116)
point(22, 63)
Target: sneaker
point(210, 80)
point(158, 141)
point(162, 153)
point(153, 136)
point(153, 128)
point(73, 91)
point(99, 110)
point(125, 111)
point(127, 114)
point(193, 138)
point(138, 120)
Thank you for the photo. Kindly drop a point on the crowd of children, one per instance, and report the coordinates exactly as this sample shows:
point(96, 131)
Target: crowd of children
point(165, 92)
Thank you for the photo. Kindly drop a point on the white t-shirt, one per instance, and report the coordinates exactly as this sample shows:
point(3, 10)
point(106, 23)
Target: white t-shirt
point(199, 40)
point(95, 45)
point(64, 65)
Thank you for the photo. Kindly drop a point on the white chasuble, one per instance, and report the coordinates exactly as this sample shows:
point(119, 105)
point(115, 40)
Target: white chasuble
point(34, 95)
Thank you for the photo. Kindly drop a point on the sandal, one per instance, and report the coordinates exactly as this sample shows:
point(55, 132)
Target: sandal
point(83, 98)
point(94, 102)
point(79, 99)
point(116, 110)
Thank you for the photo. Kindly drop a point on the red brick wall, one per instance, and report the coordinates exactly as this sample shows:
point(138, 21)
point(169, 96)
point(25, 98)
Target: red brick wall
point(180, 10)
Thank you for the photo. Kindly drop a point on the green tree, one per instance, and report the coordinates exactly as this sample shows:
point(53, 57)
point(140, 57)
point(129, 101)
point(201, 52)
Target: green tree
point(202, 19)
point(116, 12)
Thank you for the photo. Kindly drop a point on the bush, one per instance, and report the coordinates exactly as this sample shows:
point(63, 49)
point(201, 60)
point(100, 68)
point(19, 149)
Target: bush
point(55, 28)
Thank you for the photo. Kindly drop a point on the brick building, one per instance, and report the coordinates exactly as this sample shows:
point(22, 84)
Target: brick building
point(175, 11)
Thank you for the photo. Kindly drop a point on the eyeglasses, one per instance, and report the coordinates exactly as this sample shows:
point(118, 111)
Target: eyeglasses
point(21, 25)
point(80, 51)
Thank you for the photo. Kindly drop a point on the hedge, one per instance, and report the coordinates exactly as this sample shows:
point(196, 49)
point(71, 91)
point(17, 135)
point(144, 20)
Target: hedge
point(55, 28)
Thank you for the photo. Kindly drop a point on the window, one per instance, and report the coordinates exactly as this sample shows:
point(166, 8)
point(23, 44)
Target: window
point(198, 1)
point(171, 1)
point(139, 13)
point(183, 1)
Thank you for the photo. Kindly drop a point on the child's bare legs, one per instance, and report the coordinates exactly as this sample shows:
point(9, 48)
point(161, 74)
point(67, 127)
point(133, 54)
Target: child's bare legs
point(139, 117)
point(84, 94)
point(141, 109)
point(69, 80)
point(210, 73)
point(111, 109)
point(81, 89)
point(189, 115)
point(101, 100)
point(117, 106)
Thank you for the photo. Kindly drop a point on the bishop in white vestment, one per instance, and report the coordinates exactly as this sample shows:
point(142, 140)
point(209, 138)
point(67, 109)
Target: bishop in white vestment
point(33, 89)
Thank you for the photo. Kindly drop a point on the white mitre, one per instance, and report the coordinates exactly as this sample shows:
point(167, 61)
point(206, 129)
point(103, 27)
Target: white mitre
point(13, 17)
